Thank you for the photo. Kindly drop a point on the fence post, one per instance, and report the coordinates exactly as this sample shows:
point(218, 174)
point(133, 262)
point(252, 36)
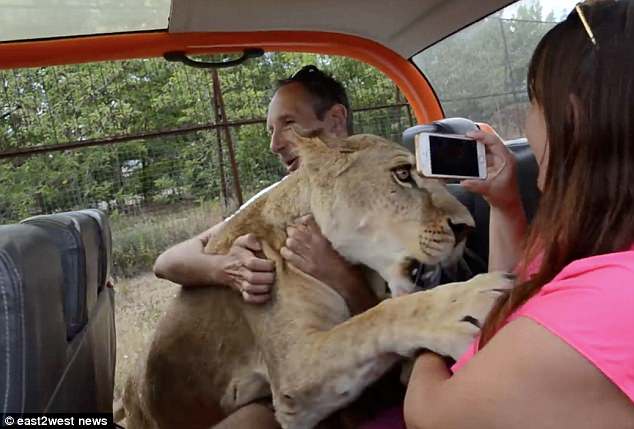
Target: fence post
point(218, 119)
point(220, 112)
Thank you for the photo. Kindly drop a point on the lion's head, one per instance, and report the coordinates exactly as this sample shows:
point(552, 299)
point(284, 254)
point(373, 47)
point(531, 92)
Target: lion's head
point(374, 207)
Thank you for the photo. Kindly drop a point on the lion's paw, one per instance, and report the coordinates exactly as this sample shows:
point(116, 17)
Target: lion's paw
point(463, 308)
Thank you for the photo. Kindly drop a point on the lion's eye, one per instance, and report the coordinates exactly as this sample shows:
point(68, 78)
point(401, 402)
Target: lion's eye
point(403, 174)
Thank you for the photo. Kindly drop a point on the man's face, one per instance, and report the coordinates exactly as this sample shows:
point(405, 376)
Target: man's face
point(292, 104)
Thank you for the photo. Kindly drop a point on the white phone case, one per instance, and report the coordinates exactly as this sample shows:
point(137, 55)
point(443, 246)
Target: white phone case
point(423, 156)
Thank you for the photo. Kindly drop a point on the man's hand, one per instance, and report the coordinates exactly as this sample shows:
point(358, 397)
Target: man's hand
point(248, 274)
point(307, 249)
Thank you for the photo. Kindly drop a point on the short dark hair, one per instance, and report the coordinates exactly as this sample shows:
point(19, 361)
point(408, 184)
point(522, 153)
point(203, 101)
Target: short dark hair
point(325, 90)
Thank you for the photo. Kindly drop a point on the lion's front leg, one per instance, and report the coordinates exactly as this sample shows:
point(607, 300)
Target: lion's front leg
point(329, 369)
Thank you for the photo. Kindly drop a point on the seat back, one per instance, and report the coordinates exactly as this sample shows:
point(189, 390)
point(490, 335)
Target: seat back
point(33, 342)
point(61, 343)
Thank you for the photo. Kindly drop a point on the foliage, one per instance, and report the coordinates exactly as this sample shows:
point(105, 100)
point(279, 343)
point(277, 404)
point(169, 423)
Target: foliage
point(56, 105)
point(480, 72)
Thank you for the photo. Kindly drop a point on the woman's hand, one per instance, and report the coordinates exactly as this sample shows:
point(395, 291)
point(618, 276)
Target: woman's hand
point(507, 219)
point(500, 188)
point(308, 249)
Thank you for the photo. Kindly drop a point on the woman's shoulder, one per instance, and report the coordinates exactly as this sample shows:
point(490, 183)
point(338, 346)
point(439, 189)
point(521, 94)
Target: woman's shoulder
point(590, 305)
point(611, 272)
point(598, 290)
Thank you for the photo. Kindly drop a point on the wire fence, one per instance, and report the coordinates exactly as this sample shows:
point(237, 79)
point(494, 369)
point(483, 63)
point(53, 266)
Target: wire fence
point(149, 142)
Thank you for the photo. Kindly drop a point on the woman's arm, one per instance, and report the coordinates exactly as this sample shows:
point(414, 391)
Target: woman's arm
point(525, 378)
point(507, 229)
point(507, 222)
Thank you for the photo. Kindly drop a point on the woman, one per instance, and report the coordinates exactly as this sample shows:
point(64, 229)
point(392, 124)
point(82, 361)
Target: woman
point(558, 351)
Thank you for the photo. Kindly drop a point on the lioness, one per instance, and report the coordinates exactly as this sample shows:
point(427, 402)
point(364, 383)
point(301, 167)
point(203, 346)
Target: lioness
point(212, 353)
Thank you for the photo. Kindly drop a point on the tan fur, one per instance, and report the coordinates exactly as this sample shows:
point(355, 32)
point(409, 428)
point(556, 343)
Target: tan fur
point(212, 353)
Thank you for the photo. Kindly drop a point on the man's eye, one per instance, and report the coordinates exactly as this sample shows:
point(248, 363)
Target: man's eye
point(289, 122)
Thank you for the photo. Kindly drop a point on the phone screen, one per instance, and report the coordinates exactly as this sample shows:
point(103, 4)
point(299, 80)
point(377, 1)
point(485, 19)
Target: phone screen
point(453, 157)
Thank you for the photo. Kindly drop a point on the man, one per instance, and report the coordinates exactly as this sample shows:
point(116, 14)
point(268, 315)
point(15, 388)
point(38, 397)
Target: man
point(312, 100)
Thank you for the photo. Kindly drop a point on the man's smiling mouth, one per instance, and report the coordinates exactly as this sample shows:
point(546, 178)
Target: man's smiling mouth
point(293, 164)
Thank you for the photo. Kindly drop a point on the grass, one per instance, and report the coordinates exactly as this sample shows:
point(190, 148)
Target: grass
point(139, 239)
point(140, 302)
point(142, 299)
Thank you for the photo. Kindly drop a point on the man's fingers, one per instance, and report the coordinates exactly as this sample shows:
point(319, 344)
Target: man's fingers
point(292, 257)
point(254, 293)
point(255, 289)
point(259, 264)
point(298, 232)
point(296, 245)
point(287, 253)
point(255, 299)
point(249, 241)
point(256, 278)
point(298, 261)
point(307, 220)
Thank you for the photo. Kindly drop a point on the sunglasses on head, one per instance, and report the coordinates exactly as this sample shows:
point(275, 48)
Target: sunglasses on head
point(585, 23)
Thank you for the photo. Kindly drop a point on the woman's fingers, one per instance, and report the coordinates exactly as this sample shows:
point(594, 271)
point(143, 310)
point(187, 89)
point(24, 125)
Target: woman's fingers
point(476, 186)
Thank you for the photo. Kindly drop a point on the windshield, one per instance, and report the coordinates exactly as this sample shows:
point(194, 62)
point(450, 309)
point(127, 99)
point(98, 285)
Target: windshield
point(37, 19)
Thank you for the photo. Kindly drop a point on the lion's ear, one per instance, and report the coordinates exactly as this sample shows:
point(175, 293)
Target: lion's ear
point(314, 149)
point(324, 155)
point(322, 162)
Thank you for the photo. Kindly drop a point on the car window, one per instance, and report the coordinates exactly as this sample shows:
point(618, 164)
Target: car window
point(147, 141)
point(480, 71)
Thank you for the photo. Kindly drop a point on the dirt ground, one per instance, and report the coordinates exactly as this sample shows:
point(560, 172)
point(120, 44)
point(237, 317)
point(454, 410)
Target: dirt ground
point(139, 304)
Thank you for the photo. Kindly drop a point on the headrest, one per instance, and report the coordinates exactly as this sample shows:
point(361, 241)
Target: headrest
point(443, 126)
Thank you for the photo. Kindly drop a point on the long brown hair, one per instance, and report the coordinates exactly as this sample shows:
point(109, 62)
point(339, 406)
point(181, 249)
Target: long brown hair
point(586, 93)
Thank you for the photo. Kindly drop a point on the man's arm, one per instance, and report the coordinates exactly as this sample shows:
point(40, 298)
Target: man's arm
point(187, 264)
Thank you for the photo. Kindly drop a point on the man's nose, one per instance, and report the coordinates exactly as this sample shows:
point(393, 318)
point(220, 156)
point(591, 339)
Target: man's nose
point(278, 142)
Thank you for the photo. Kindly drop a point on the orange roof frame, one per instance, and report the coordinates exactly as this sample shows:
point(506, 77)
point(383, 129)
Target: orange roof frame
point(404, 74)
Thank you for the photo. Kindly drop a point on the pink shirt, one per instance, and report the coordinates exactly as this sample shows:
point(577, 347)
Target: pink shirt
point(589, 305)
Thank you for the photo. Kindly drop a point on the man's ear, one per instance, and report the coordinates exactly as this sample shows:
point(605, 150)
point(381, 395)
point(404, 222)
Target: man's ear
point(336, 119)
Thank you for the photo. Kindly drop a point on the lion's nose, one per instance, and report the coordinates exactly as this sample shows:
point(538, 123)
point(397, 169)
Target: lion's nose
point(460, 230)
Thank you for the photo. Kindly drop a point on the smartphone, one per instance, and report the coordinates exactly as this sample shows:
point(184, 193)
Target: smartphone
point(450, 156)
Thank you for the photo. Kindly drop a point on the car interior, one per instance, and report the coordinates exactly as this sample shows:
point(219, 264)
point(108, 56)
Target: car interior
point(56, 296)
